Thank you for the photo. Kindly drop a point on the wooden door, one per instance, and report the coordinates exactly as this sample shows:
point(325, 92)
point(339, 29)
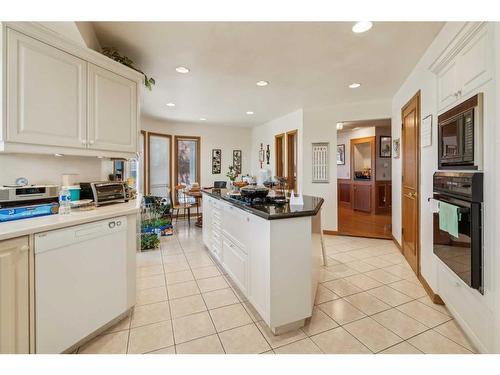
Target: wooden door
point(46, 88)
point(410, 149)
point(362, 197)
point(113, 124)
point(14, 296)
point(279, 141)
point(291, 148)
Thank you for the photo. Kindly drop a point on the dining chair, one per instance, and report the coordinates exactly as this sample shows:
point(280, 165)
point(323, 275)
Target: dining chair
point(182, 202)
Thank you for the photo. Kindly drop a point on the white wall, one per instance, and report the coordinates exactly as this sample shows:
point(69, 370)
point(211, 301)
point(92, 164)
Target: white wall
point(320, 126)
point(212, 136)
point(265, 134)
point(383, 166)
point(344, 138)
point(473, 311)
point(496, 239)
point(47, 169)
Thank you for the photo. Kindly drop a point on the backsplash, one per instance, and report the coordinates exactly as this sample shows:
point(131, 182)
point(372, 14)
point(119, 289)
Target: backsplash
point(47, 169)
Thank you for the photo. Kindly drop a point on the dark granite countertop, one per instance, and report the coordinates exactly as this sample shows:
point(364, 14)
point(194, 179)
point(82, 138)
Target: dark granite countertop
point(268, 211)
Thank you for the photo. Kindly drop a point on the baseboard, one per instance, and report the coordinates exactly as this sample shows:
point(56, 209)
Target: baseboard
point(433, 296)
point(397, 243)
point(330, 232)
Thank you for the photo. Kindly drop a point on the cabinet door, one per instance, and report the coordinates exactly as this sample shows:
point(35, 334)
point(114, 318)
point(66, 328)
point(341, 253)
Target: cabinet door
point(46, 88)
point(207, 221)
point(362, 197)
point(448, 85)
point(235, 263)
point(14, 296)
point(112, 111)
point(235, 225)
point(474, 63)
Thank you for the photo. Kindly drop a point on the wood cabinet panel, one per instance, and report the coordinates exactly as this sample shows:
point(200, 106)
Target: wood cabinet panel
point(362, 197)
point(14, 296)
point(383, 196)
point(344, 192)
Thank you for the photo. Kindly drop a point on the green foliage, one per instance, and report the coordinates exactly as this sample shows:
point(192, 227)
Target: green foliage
point(232, 174)
point(113, 53)
point(149, 241)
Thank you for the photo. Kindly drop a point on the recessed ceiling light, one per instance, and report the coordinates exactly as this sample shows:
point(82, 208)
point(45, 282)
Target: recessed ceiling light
point(203, 119)
point(58, 155)
point(182, 69)
point(170, 104)
point(356, 128)
point(340, 125)
point(362, 26)
point(249, 112)
point(354, 85)
point(262, 83)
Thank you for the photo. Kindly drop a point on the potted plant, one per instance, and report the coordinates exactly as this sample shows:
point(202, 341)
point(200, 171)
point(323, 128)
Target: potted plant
point(113, 53)
point(232, 174)
point(149, 241)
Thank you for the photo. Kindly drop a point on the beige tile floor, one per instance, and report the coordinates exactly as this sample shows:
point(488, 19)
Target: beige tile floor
point(369, 301)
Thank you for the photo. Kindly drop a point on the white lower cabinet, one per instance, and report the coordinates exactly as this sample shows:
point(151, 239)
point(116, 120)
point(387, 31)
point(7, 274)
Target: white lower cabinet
point(236, 264)
point(14, 296)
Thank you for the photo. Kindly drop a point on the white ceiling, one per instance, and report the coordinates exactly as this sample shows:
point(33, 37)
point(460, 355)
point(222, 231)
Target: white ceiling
point(308, 64)
point(348, 126)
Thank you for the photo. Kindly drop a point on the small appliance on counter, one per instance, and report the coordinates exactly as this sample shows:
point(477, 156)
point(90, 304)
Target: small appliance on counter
point(105, 192)
point(458, 228)
point(22, 202)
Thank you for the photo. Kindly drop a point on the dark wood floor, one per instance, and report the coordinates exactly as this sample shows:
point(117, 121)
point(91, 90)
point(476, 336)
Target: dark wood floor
point(356, 223)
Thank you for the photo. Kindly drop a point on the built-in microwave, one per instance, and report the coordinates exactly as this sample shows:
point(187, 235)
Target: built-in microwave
point(460, 134)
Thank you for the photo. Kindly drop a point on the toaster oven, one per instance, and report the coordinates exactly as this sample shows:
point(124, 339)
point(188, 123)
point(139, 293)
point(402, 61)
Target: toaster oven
point(105, 192)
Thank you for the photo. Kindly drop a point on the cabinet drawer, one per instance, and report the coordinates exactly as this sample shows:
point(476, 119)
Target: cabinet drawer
point(236, 226)
point(236, 264)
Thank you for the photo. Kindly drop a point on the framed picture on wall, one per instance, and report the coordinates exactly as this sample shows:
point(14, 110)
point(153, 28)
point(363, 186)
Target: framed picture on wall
point(385, 146)
point(396, 148)
point(216, 161)
point(237, 161)
point(341, 154)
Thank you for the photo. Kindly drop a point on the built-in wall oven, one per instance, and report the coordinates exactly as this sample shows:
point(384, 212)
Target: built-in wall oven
point(458, 236)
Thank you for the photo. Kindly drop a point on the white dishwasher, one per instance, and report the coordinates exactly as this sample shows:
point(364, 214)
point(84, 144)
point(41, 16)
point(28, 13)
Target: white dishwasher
point(80, 281)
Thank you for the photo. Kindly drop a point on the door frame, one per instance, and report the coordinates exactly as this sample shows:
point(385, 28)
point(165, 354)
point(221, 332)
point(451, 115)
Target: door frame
point(373, 153)
point(416, 97)
point(290, 158)
point(178, 138)
point(279, 151)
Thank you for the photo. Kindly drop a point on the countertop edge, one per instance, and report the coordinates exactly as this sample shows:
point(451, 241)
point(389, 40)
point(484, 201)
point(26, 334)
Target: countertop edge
point(24, 227)
point(267, 216)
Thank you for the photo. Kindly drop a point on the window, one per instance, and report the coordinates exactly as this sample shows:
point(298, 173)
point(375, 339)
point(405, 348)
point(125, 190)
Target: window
point(159, 165)
point(187, 160)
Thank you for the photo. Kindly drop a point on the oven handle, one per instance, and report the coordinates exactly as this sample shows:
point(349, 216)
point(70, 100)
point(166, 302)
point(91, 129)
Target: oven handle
point(463, 206)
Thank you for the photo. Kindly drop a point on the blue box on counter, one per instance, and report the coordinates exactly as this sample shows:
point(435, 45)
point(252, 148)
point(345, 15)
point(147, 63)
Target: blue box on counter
point(25, 212)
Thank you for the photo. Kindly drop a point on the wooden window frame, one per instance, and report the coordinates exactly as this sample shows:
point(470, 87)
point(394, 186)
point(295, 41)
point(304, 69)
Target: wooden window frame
point(279, 167)
point(178, 138)
point(147, 139)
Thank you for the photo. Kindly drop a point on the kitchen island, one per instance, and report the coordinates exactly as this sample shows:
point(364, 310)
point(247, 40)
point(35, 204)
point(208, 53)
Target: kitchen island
point(272, 253)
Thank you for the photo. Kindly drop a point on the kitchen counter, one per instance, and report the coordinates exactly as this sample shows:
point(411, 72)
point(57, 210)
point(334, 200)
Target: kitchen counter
point(311, 206)
point(23, 227)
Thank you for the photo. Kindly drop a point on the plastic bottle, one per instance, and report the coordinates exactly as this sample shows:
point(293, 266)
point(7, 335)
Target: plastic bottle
point(64, 201)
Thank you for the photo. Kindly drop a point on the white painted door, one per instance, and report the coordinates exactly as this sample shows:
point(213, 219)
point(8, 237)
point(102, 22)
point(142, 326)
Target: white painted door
point(46, 88)
point(14, 296)
point(112, 111)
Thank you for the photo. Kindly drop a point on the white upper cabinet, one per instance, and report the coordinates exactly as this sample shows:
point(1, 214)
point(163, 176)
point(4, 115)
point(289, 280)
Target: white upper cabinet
point(464, 66)
point(64, 98)
point(112, 111)
point(46, 91)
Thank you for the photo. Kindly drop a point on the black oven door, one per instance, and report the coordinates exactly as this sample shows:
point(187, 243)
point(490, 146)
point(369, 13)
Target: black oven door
point(462, 254)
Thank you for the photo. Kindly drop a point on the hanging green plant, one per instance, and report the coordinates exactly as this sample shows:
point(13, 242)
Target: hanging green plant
point(113, 53)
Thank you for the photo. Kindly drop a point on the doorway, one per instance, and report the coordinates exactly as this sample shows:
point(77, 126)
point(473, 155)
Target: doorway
point(364, 178)
point(410, 182)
